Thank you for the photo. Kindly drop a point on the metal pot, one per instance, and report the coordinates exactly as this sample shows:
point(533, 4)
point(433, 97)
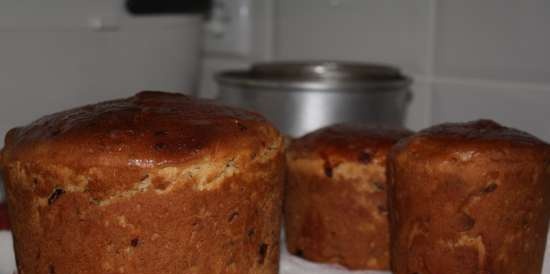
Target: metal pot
point(299, 97)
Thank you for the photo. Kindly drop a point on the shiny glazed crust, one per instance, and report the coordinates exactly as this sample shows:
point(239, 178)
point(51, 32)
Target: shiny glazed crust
point(469, 198)
point(335, 205)
point(156, 183)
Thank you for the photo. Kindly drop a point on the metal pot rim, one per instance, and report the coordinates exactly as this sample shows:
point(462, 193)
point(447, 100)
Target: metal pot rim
point(229, 78)
point(317, 75)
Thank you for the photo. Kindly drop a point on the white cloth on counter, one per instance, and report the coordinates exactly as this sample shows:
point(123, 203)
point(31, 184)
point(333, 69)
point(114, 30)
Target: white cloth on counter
point(289, 264)
point(294, 265)
point(7, 258)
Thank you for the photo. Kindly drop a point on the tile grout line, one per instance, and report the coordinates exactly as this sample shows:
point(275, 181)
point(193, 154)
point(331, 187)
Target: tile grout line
point(430, 66)
point(274, 13)
point(528, 86)
point(270, 44)
point(492, 83)
point(430, 62)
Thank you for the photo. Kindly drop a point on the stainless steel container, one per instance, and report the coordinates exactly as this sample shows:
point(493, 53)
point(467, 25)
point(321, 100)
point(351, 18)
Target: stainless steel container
point(301, 97)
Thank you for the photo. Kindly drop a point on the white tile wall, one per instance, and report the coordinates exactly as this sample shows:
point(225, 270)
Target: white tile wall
point(210, 67)
point(47, 70)
point(505, 40)
point(526, 107)
point(419, 110)
point(380, 31)
point(470, 59)
point(262, 44)
point(66, 14)
point(491, 61)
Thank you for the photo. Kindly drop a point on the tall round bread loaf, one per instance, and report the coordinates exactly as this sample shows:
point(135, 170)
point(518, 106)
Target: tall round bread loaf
point(335, 208)
point(156, 183)
point(471, 198)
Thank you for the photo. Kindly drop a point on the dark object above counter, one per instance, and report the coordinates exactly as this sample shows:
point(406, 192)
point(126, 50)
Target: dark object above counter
point(151, 7)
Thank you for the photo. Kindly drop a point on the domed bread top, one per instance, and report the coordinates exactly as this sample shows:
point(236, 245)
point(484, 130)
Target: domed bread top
point(150, 129)
point(461, 141)
point(348, 141)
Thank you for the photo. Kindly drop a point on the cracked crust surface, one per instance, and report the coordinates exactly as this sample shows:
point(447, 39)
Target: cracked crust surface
point(150, 129)
point(335, 205)
point(469, 198)
point(156, 183)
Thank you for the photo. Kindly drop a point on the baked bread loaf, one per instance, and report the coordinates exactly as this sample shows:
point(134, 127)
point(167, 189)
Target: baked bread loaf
point(335, 205)
point(469, 198)
point(155, 183)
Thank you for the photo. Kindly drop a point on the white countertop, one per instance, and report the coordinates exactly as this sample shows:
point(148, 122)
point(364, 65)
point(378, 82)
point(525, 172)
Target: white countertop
point(289, 264)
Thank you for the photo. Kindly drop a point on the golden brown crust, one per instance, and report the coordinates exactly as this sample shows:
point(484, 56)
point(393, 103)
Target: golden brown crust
point(480, 136)
point(347, 142)
point(469, 198)
point(150, 129)
point(195, 206)
point(335, 205)
point(116, 143)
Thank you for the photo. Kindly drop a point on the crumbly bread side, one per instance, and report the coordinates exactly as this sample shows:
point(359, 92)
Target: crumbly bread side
point(150, 129)
point(339, 217)
point(469, 198)
point(208, 217)
point(335, 204)
point(155, 183)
